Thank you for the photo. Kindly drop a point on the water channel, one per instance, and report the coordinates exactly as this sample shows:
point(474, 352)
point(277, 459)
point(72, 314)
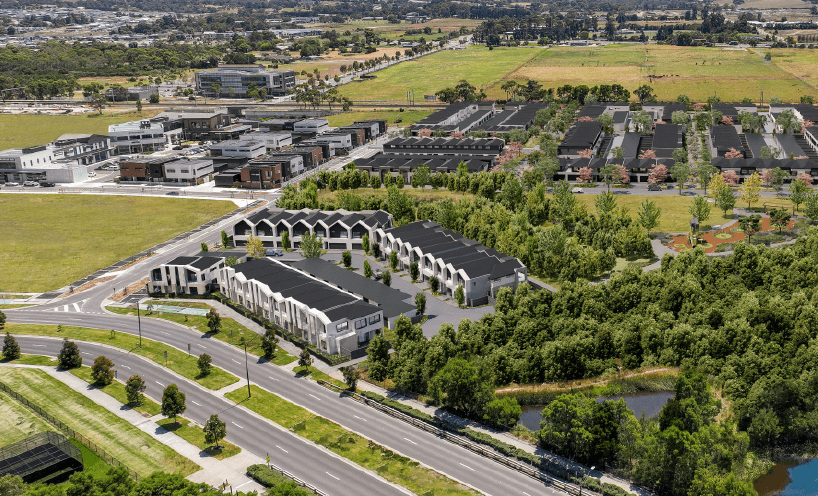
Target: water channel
point(793, 477)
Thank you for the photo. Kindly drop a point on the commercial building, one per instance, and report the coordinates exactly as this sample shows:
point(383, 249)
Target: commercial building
point(138, 137)
point(317, 126)
point(453, 259)
point(245, 148)
point(340, 229)
point(334, 320)
point(165, 169)
point(235, 80)
point(272, 140)
point(186, 275)
point(188, 171)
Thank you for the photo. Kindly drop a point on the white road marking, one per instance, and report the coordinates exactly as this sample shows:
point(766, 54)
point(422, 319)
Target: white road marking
point(235, 361)
point(411, 441)
point(237, 425)
point(242, 484)
point(159, 383)
point(85, 353)
point(336, 478)
point(468, 467)
point(195, 403)
point(197, 344)
point(526, 494)
point(127, 367)
point(65, 307)
point(316, 397)
point(273, 378)
point(165, 333)
point(357, 417)
point(77, 307)
point(282, 449)
point(40, 345)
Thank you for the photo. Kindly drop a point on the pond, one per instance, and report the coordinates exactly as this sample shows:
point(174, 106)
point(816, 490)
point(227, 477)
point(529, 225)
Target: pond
point(650, 403)
point(791, 477)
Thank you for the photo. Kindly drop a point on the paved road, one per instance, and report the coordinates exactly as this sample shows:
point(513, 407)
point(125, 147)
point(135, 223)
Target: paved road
point(481, 473)
point(321, 468)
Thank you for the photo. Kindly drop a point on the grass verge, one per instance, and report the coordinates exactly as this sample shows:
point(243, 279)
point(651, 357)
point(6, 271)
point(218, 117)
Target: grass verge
point(177, 361)
point(31, 360)
point(391, 466)
point(116, 390)
point(195, 435)
point(236, 338)
point(126, 443)
point(317, 375)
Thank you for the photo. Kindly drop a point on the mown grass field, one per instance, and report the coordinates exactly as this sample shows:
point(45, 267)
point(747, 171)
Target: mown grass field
point(177, 361)
point(20, 131)
point(53, 240)
point(674, 218)
point(18, 421)
point(116, 390)
point(698, 72)
point(194, 434)
point(407, 117)
point(426, 75)
point(120, 439)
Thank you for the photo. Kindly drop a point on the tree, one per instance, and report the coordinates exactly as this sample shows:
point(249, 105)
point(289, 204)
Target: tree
point(312, 245)
point(365, 243)
point(680, 117)
point(12, 485)
point(393, 260)
point(346, 257)
point(643, 122)
point(776, 179)
point(214, 320)
point(225, 240)
point(387, 278)
point(101, 372)
point(700, 209)
point(779, 218)
point(420, 176)
point(811, 206)
point(269, 342)
point(459, 296)
point(99, 102)
point(139, 105)
point(414, 271)
point(376, 250)
point(434, 284)
point(706, 172)
point(585, 174)
point(733, 153)
point(648, 215)
point(216, 88)
point(134, 388)
point(680, 173)
point(204, 363)
point(750, 191)
point(285, 240)
point(305, 360)
point(644, 93)
point(173, 402)
point(605, 203)
point(799, 189)
point(69, 357)
point(608, 174)
point(607, 122)
point(254, 247)
point(154, 98)
point(214, 431)
point(420, 302)
point(730, 177)
point(750, 225)
point(503, 411)
point(351, 375)
point(367, 269)
point(725, 198)
point(467, 387)
point(2, 320)
point(658, 174)
point(11, 349)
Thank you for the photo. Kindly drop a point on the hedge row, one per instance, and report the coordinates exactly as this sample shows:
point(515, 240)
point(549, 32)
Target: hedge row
point(604, 488)
point(268, 477)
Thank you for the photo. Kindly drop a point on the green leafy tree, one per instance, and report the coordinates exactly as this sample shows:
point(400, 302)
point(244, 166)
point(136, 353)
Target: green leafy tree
point(420, 302)
point(605, 203)
point(376, 250)
point(567, 425)
point(139, 105)
point(648, 215)
point(269, 342)
point(214, 431)
point(2, 320)
point(346, 257)
point(134, 389)
point(750, 225)
point(467, 388)
point(69, 357)
point(11, 349)
point(503, 411)
point(434, 283)
point(214, 320)
point(285, 240)
point(12, 485)
point(779, 218)
point(725, 198)
point(173, 402)
point(365, 243)
point(414, 271)
point(680, 172)
point(387, 278)
point(255, 247)
point(700, 209)
point(351, 375)
point(225, 240)
point(644, 93)
point(367, 269)
point(205, 364)
point(799, 191)
point(750, 190)
point(420, 176)
point(393, 260)
point(312, 245)
point(305, 360)
point(154, 98)
point(102, 372)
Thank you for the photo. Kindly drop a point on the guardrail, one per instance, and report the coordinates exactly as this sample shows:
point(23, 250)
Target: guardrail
point(110, 460)
point(529, 470)
point(298, 481)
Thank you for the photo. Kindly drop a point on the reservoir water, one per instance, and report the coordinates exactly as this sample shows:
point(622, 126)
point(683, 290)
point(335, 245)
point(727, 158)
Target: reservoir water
point(793, 477)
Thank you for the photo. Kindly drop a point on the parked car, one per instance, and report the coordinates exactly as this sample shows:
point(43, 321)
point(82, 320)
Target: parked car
point(31, 184)
point(92, 174)
point(577, 190)
point(177, 147)
point(12, 183)
point(654, 187)
point(378, 274)
point(46, 184)
point(172, 193)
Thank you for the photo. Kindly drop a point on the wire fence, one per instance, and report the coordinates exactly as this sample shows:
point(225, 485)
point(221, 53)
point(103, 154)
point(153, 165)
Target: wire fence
point(68, 431)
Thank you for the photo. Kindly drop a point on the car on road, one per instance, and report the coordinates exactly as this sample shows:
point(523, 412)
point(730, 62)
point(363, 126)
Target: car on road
point(44, 184)
point(654, 187)
point(92, 174)
point(577, 190)
point(275, 252)
point(12, 183)
point(378, 274)
point(31, 184)
point(172, 193)
point(177, 147)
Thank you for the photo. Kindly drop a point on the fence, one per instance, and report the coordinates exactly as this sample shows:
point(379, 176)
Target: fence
point(110, 460)
point(298, 481)
point(529, 470)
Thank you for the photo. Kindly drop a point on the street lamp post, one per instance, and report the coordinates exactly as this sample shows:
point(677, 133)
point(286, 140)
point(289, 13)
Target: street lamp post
point(584, 479)
point(247, 371)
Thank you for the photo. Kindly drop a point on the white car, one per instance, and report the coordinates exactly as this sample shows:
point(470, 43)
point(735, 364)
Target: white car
point(12, 184)
point(577, 190)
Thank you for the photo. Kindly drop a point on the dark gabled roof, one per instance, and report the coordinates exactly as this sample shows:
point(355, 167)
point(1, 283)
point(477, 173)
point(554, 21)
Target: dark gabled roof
point(351, 311)
point(813, 130)
point(620, 116)
point(205, 262)
point(726, 137)
point(726, 109)
point(756, 142)
point(667, 136)
point(789, 146)
point(582, 134)
point(630, 145)
point(808, 112)
point(182, 261)
point(505, 268)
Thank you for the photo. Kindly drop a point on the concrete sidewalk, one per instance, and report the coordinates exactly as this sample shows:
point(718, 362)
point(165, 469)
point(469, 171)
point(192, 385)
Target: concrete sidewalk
point(213, 472)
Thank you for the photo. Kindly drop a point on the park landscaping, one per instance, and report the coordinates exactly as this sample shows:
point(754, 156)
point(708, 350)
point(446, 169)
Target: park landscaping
point(194, 434)
point(177, 361)
point(137, 450)
point(24, 130)
point(18, 421)
point(116, 390)
point(389, 465)
point(54, 240)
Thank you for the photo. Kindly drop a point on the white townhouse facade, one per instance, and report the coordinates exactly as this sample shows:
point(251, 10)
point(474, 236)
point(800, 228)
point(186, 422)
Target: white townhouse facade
point(453, 259)
point(186, 275)
point(340, 229)
point(138, 137)
point(330, 318)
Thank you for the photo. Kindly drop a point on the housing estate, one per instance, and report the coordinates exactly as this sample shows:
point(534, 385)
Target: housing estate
point(186, 275)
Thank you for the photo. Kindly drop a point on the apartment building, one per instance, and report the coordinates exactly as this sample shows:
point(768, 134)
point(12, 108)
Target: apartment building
point(186, 275)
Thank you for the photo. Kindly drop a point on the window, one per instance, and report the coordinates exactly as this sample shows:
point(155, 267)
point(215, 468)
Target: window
point(342, 327)
point(360, 323)
point(374, 319)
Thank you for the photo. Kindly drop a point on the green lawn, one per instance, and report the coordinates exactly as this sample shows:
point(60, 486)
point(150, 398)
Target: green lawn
point(407, 117)
point(177, 361)
point(390, 466)
point(117, 390)
point(17, 305)
point(426, 75)
point(61, 238)
point(317, 375)
point(195, 435)
point(200, 324)
point(137, 450)
point(21, 130)
point(18, 421)
point(674, 218)
point(32, 360)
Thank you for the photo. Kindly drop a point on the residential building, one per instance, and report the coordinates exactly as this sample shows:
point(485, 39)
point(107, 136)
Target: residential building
point(235, 80)
point(138, 137)
point(445, 146)
point(338, 139)
point(334, 320)
point(340, 229)
point(186, 275)
point(271, 140)
point(267, 175)
point(388, 164)
point(581, 136)
point(517, 115)
point(317, 126)
point(383, 125)
point(453, 259)
point(289, 165)
point(188, 171)
point(238, 148)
